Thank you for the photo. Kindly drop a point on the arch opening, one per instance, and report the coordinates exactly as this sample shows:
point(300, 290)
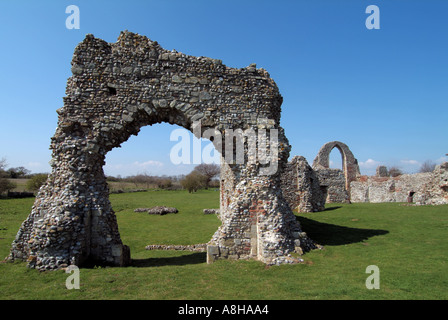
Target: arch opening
point(336, 159)
point(161, 148)
point(337, 182)
point(150, 231)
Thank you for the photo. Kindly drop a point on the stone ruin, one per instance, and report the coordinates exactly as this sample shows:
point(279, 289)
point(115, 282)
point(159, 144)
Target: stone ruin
point(337, 182)
point(158, 210)
point(426, 188)
point(301, 186)
point(117, 88)
point(307, 189)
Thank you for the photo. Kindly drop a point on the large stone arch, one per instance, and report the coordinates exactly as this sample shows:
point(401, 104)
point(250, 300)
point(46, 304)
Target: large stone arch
point(117, 88)
point(350, 165)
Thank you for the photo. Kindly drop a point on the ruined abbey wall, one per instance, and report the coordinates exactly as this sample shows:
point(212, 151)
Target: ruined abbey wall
point(333, 184)
point(117, 88)
point(419, 188)
point(301, 186)
point(336, 182)
point(307, 189)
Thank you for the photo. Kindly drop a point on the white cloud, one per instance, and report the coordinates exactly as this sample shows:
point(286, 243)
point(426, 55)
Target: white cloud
point(369, 164)
point(410, 162)
point(150, 163)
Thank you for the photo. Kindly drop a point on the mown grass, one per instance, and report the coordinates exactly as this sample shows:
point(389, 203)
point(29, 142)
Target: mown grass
point(408, 244)
point(21, 185)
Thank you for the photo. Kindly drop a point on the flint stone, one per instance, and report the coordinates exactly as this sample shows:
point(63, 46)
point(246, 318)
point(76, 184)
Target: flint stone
point(160, 210)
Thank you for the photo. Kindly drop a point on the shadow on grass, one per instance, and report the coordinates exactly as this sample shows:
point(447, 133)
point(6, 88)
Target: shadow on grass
point(334, 235)
point(332, 208)
point(193, 258)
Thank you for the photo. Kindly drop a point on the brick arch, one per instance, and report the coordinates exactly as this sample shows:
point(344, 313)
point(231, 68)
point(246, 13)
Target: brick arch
point(349, 162)
point(117, 88)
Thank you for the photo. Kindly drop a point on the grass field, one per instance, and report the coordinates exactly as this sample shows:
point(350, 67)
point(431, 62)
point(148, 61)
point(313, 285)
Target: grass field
point(113, 185)
point(20, 185)
point(408, 244)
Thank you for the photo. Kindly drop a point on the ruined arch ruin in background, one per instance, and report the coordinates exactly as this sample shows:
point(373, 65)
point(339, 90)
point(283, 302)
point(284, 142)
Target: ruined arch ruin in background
point(330, 178)
point(117, 88)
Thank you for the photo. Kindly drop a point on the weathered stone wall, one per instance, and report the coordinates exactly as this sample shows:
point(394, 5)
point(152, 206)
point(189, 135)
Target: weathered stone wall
point(332, 181)
point(308, 189)
point(425, 188)
point(336, 181)
point(117, 88)
point(388, 189)
point(435, 192)
point(301, 187)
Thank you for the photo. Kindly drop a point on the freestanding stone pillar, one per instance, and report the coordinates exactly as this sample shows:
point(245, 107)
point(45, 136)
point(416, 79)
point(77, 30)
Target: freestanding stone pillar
point(115, 89)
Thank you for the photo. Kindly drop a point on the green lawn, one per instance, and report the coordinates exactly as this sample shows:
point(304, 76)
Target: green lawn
point(408, 244)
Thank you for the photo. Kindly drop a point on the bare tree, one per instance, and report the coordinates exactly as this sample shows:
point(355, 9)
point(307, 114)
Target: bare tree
point(395, 171)
point(3, 166)
point(427, 166)
point(209, 171)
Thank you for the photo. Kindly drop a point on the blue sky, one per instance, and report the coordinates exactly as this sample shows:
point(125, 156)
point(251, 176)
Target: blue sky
point(382, 92)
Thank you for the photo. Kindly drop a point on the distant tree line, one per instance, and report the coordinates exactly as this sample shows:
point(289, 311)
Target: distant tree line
point(7, 177)
point(147, 181)
point(5, 183)
point(13, 173)
point(202, 177)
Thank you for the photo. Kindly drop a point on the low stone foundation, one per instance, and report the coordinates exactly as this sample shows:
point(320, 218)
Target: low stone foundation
point(159, 210)
point(202, 247)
